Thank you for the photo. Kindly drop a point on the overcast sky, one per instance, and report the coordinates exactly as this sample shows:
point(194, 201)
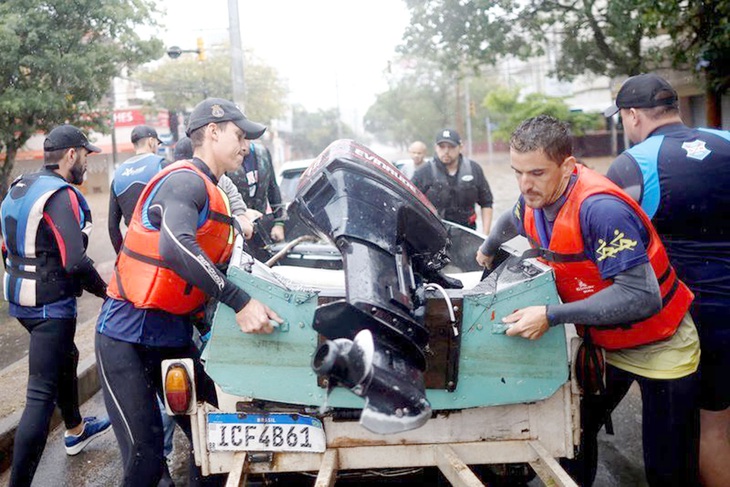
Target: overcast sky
point(321, 47)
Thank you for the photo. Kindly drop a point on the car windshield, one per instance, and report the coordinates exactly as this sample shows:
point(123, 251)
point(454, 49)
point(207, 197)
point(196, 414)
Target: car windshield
point(288, 184)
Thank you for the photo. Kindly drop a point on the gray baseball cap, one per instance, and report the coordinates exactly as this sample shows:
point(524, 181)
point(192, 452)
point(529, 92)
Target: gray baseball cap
point(214, 110)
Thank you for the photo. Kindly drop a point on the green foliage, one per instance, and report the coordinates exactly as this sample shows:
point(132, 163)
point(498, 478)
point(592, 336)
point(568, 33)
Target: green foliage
point(700, 38)
point(181, 83)
point(57, 62)
point(582, 122)
point(599, 37)
point(417, 105)
point(312, 132)
point(612, 38)
point(507, 111)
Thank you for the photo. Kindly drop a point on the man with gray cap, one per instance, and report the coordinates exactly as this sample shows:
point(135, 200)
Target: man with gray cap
point(454, 184)
point(680, 177)
point(46, 224)
point(180, 233)
point(130, 178)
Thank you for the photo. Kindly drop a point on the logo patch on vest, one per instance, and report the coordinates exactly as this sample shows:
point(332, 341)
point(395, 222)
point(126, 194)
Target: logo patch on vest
point(131, 171)
point(612, 249)
point(467, 178)
point(584, 288)
point(696, 150)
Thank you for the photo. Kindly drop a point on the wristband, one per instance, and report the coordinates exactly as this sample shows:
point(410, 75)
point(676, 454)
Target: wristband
point(552, 320)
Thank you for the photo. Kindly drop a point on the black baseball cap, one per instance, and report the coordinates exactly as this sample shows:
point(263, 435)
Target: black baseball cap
point(67, 137)
point(141, 131)
point(183, 149)
point(448, 135)
point(643, 91)
point(214, 110)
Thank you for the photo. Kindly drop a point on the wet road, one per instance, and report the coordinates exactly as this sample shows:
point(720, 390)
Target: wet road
point(99, 465)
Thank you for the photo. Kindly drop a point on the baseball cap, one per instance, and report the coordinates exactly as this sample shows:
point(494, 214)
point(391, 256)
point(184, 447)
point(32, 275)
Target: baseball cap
point(643, 91)
point(141, 131)
point(214, 110)
point(448, 135)
point(65, 137)
point(183, 149)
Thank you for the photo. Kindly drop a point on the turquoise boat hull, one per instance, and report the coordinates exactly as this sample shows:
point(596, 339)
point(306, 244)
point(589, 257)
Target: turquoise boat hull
point(493, 368)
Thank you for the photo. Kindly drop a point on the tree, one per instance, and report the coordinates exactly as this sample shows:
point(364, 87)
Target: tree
point(507, 111)
point(603, 37)
point(700, 39)
point(179, 84)
point(420, 100)
point(57, 63)
point(612, 38)
point(312, 132)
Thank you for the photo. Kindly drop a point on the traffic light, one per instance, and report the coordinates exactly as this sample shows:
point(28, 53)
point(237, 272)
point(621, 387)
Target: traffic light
point(472, 108)
point(201, 49)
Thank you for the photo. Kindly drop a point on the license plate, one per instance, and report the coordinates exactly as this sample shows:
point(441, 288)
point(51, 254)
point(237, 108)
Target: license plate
point(265, 432)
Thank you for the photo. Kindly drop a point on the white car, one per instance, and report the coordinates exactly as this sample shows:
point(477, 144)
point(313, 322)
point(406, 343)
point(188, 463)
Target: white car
point(288, 178)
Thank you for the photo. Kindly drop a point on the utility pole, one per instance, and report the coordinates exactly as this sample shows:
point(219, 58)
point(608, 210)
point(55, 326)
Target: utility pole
point(112, 165)
point(490, 146)
point(234, 31)
point(469, 110)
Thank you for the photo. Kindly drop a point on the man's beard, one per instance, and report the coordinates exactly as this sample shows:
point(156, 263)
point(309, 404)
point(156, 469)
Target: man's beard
point(77, 172)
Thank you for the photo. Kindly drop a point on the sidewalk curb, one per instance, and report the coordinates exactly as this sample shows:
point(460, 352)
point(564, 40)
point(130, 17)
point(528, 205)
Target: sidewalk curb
point(88, 386)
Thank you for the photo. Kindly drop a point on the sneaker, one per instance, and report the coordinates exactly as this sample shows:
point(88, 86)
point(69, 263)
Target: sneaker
point(93, 428)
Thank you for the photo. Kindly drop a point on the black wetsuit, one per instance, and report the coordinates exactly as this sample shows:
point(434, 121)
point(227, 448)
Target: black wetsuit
point(60, 244)
point(132, 342)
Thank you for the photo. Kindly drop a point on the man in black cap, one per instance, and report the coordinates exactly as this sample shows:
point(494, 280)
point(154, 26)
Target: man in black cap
point(130, 178)
point(680, 177)
point(180, 233)
point(454, 184)
point(46, 224)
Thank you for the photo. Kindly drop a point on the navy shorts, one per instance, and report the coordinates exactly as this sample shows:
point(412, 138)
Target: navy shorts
point(713, 325)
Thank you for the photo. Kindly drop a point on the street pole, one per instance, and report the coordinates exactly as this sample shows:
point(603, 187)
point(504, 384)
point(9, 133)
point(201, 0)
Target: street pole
point(490, 149)
point(111, 167)
point(467, 102)
point(234, 32)
point(339, 115)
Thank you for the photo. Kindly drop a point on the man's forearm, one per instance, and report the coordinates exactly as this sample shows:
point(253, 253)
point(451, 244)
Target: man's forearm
point(504, 230)
point(115, 219)
point(486, 220)
point(238, 206)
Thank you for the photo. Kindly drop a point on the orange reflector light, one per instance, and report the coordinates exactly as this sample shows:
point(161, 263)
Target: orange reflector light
point(178, 389)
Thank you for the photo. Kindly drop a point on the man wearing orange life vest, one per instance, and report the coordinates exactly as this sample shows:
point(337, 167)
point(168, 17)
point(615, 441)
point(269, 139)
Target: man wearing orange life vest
point(180, 233)
point(616, 282)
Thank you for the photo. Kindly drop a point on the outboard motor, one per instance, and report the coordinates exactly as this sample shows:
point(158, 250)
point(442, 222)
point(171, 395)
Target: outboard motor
point(392, 242)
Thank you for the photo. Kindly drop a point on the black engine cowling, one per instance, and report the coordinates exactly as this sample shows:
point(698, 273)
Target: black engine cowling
point(392, 242)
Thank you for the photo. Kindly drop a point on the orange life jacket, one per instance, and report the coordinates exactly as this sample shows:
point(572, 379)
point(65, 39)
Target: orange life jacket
point(577, 277)
point(141, 275)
